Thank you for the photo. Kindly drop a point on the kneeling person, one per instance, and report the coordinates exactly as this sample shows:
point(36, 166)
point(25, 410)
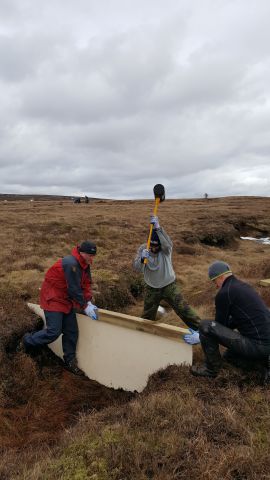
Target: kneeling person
point(238, 306)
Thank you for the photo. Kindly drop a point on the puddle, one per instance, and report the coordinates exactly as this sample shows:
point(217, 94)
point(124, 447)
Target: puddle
point(263, 240)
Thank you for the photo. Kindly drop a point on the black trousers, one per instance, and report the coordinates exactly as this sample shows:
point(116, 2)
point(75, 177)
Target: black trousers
point(213, 334)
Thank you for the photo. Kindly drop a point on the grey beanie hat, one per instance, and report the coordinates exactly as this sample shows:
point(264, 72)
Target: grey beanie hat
point(217, 269)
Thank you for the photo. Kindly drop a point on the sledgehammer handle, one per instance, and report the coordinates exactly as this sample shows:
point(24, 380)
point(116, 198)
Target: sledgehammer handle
point(157, 201)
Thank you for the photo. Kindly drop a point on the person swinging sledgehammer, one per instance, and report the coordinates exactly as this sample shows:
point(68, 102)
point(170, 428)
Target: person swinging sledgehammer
point(160, 278)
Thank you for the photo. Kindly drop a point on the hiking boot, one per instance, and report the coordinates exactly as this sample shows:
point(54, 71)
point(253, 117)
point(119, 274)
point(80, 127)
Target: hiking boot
point(72, 367)
point(203, 371)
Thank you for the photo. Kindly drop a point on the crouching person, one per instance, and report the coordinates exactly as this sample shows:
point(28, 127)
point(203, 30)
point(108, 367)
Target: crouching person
point(242, 324)
point(65, 289)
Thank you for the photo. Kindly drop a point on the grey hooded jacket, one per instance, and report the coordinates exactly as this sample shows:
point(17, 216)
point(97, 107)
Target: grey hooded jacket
point(158, 272)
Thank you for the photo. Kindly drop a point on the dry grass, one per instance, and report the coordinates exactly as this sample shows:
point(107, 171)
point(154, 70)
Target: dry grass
point(179, 427)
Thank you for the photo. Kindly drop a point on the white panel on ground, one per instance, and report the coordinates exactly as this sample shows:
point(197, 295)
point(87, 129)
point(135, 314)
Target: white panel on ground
point(121, 351)
point(265, 283)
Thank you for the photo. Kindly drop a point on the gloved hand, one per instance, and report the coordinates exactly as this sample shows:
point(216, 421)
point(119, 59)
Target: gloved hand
point(192, 338)
point(145, 253)
point(154, 221)
point(91, 310)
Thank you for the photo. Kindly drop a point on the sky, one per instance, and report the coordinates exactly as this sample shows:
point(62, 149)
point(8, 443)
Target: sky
point(106, 98)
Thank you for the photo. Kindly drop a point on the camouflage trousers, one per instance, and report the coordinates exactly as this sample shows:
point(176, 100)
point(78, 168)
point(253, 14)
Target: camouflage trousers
point(173, 296)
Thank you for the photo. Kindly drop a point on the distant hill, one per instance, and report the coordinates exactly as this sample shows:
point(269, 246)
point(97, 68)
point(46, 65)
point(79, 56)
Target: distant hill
point(10, 197)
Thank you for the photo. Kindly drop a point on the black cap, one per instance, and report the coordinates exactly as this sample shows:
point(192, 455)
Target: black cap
point(88, 247)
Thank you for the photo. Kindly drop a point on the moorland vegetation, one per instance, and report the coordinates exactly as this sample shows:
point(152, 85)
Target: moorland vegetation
point(58, 426)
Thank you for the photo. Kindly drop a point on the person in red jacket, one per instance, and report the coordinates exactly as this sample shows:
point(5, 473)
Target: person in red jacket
point(66, 289)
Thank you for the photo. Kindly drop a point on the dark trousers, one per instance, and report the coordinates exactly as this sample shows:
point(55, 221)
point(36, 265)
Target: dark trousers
point(57, 323)
point(213, 334)
point(172, 295)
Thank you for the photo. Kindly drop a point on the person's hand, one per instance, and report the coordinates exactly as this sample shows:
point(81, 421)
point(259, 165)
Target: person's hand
point(154, 221)
point(145, 253)
point(91, 310)
point(192, 338)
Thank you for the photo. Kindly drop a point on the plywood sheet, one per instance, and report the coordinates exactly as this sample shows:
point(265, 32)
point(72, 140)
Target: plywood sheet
point(121, 351)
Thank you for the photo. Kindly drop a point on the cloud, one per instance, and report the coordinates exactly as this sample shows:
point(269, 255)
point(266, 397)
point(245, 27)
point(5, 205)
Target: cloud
point(109, 105)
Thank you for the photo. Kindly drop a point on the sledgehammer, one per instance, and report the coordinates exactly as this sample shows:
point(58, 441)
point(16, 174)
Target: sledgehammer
point(159, 193)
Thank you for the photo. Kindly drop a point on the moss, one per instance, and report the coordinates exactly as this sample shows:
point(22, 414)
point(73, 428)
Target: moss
point(68, 468)
point(86, 459)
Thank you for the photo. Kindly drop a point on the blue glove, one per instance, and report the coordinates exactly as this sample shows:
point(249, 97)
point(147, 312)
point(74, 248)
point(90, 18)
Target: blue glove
point(192, 338)
point(91, 310)
point(145, 253)
point(154, 221)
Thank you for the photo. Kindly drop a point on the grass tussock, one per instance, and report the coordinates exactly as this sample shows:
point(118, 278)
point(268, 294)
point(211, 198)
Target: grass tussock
point(54, 425)
point(178, 428)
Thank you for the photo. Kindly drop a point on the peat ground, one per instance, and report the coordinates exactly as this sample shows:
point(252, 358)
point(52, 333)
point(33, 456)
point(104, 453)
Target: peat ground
point(55, 425)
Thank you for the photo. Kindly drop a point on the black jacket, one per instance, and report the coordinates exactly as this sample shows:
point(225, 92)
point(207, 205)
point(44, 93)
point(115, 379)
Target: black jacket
point(239, 306)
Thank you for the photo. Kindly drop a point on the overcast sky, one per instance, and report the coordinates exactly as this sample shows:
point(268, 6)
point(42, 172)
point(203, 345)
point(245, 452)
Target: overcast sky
point(109, 97)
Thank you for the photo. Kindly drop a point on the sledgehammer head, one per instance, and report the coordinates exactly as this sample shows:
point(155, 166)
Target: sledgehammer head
point(159, 192)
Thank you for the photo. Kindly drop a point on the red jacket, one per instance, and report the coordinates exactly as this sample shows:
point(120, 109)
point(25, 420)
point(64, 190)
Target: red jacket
point(67, 284)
